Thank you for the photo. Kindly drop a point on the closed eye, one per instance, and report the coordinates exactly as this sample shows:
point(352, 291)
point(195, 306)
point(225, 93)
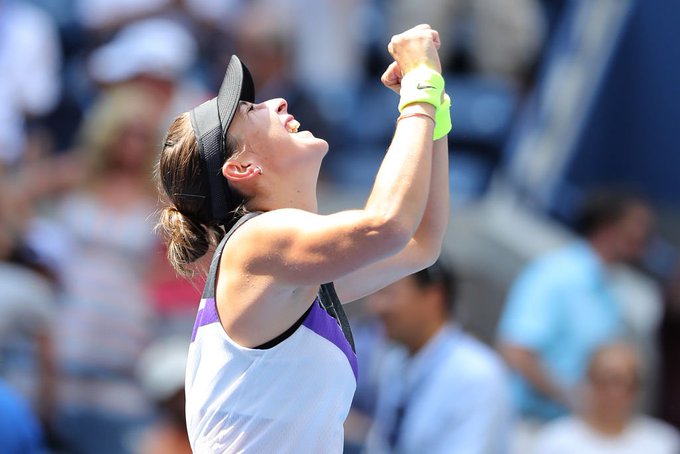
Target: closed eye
point(250, 106)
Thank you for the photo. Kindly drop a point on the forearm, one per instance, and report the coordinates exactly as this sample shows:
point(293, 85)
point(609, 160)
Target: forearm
point(529, 366)
point(435, 220)
point(402, 184)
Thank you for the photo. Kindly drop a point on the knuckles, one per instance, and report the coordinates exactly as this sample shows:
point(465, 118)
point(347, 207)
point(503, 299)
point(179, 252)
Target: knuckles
point(421, 36)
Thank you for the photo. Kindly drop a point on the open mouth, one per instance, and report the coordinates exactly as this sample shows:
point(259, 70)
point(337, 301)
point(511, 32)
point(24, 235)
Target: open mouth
point(292, 126)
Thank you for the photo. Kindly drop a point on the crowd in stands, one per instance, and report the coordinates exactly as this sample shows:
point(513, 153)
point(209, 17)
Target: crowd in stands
point(94, 324)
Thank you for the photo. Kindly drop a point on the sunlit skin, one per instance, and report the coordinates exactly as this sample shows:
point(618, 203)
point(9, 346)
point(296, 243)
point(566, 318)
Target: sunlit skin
point(272, 263)
point(272, 266)
point(290, 162)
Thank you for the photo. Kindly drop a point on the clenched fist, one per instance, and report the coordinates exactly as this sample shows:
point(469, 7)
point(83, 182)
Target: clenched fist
point(415, 47)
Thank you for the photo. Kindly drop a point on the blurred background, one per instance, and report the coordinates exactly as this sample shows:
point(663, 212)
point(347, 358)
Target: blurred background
point(552, 100)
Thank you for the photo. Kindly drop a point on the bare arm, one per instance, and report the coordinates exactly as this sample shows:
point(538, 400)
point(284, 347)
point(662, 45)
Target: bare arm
point(310, 248)
point(529, 366)
point(425, 246)
point(421, 251)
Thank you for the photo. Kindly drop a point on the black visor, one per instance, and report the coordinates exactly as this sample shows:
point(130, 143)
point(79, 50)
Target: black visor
point(210, 122)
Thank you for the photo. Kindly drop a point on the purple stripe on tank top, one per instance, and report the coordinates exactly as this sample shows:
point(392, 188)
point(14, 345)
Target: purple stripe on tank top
point(327, 327)
point(205, 316)
point(318, 320)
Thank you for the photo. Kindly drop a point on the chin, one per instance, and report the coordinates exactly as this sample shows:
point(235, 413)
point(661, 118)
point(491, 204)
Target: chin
point(308, 138)
point(323, 145)
point(315, 145)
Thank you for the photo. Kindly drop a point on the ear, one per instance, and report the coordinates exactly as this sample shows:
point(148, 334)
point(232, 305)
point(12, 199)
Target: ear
point(239, 172)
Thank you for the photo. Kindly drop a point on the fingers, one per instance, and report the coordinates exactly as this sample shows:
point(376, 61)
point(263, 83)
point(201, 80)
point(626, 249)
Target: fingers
point(435, 39)
point(416, 46)
point(435, 33)
point(391, 74)
point(423, 30)
point(391, 78)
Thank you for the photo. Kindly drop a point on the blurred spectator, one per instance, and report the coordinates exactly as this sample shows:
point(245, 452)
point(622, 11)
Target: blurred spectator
point(19, 431)
point(498, 38)
point(669, 352)
point(173, 298)
point(27, 309)
point(161, 370)
point(442, 390)
point(328, 47)
point(607, 423)
point(30, 60)
point(106, 320)
point(103, 15)
point(372, 348)
point(562, 307)
point(265, 42)
point(153, 55)
point(27, 306)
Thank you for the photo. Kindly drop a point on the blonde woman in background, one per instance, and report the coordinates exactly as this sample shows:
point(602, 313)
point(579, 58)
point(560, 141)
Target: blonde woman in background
point(105, 320)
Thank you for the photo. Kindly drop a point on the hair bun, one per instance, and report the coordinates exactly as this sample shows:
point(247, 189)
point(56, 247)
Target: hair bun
point(188, 240)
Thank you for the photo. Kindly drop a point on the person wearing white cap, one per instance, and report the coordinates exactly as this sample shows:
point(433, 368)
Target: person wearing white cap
point(272, 366)
point(155, 54)
point(157, 47)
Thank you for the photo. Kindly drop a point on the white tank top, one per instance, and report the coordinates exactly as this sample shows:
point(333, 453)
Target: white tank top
point(292, 397)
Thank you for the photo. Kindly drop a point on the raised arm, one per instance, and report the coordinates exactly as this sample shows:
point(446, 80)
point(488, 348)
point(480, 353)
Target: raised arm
point(421, 251)
point(425, 246)
point(312, 249)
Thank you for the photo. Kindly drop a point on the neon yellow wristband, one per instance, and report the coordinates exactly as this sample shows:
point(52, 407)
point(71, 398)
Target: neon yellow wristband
point(421, 84)
point(442, 117)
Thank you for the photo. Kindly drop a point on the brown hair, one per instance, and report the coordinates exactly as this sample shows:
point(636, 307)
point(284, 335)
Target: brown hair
point(188, 236)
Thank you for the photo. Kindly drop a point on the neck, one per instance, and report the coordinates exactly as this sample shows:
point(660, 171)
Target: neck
point(295, 197)
point(607, 425)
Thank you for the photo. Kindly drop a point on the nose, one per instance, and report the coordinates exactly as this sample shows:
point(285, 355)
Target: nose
point(279, 105)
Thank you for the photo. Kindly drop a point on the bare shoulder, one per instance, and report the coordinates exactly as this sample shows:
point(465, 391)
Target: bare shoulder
point(264, 234)
point(255, 305)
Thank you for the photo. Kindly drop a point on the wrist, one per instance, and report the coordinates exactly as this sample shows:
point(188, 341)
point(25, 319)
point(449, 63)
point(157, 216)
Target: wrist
point(405, 69)
point(420, 107)
point(421, 85)
point(418, 115)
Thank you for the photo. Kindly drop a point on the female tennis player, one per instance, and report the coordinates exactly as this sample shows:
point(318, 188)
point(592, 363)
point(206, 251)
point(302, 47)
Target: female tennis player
point(271, 364)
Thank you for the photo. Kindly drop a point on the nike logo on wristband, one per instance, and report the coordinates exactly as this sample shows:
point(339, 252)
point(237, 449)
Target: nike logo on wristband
point(423, 87)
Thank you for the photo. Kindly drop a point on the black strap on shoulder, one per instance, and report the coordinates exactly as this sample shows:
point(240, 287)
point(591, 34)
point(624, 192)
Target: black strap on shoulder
point(209, 289)
point(327, 297)
point(331, 303)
